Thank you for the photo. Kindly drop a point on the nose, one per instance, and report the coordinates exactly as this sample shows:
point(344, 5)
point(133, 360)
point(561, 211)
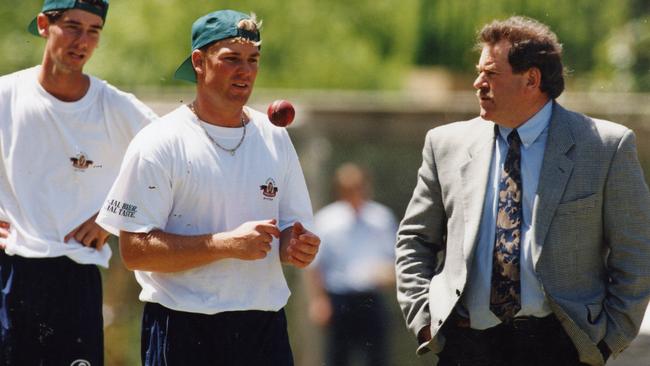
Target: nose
point(86, 39)
point(479, 82)
point(82, 40)
point(246, 68)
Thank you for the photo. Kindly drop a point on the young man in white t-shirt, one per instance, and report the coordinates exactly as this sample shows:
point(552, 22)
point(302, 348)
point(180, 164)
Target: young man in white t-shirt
point(208, 204)
point(63, 136)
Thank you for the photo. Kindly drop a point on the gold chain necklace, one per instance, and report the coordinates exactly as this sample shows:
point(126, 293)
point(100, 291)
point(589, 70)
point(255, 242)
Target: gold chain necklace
point(215, 143)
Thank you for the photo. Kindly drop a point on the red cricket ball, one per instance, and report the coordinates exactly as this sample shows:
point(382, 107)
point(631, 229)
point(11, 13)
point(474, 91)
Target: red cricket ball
point(281, 113)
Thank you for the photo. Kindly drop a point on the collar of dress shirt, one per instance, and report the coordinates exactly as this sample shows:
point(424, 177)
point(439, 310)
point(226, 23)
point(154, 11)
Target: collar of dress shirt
point(530, 130)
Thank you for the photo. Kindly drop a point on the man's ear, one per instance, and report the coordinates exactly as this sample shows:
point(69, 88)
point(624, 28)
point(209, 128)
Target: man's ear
point(43, 24)
point(534, 78)
point(198, 62)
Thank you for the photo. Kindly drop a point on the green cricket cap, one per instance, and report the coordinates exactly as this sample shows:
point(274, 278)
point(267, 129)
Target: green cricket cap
point(216, 26)
point(97, 7)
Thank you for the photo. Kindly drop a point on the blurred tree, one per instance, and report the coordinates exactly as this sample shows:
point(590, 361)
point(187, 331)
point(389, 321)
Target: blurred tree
point(448, 28)
point(639, 8)
point(624, 55)
point(606, 43)
point(342, 44)
point(18, 48)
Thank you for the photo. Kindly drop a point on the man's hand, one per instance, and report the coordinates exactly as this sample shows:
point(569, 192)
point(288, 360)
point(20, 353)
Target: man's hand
point(425, 334)
point(604, 350)
point(298, 246)
point(89, 234)
point(4, 233)
point(251, 240)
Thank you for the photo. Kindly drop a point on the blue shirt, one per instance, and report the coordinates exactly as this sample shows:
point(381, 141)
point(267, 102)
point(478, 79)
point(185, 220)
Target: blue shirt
point(354, 245)
point(533, 134)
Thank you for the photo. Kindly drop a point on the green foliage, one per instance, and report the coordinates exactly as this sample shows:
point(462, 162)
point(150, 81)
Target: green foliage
point(624, 62)
point(18, 48)
point(449, 27)
point(342, 44)
point(448, 32)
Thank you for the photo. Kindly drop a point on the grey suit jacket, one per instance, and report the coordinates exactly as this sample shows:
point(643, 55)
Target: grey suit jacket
point(591, 229)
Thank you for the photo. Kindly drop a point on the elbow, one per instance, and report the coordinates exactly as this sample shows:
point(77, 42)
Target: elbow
point(132, 257)
point(129, 261)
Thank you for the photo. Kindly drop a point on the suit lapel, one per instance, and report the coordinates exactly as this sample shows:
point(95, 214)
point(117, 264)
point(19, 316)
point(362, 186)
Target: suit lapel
point(553, 178)
point(474, 177)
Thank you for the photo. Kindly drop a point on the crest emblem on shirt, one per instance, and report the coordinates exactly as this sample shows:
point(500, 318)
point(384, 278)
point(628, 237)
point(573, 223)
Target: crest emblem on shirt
point(270, 189)
point(81, 161)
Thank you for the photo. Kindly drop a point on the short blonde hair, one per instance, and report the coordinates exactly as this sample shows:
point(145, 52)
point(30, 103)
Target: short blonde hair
point(250, 24)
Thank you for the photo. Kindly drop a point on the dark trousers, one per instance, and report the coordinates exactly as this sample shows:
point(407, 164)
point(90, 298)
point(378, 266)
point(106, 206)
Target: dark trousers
point(523, 342)
point(50, 312)
point(234, 338)
point(357, 327)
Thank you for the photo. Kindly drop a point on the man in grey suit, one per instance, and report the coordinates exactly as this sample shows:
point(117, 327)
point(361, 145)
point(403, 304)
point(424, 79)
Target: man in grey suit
point(527, 239)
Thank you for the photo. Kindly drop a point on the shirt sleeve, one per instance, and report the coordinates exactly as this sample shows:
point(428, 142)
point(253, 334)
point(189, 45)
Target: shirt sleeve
point(295, 205)
point(140, 199)
point(132, 113)
point(145, 115)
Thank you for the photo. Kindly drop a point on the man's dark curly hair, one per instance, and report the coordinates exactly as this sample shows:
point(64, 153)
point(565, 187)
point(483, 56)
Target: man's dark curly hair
point(533, 45)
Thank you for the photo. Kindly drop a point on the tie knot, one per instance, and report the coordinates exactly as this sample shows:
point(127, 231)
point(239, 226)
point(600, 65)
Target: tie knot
point(513, 138)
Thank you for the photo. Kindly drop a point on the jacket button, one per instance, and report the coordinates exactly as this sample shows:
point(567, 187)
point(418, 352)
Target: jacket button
point(439, 322)
point(457, 292)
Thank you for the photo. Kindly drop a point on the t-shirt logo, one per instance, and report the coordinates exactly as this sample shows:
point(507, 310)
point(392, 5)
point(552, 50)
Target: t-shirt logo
point(121, 208)
point(81, 161)
point(270, 189)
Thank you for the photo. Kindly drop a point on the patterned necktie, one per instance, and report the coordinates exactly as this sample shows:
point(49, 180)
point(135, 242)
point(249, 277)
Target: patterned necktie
point(505, 294)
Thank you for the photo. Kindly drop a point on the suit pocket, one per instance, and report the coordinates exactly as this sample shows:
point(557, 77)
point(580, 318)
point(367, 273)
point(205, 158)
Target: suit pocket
point(593, 312)
point(578, 206)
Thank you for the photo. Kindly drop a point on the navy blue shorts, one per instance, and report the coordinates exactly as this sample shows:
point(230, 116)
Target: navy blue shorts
point(235, 338)
point(50, 312)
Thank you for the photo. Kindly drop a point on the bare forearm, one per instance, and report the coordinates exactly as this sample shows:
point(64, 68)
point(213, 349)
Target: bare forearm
point(385, 275)
point(320, 305)
point(158, 251)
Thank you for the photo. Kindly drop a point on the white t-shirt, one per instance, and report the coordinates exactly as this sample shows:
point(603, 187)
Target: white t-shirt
point(59, 160)
point(354, 245)
point(174, 179)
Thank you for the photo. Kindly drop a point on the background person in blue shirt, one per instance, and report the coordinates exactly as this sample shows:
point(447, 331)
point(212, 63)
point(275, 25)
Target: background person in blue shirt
point(354, 265)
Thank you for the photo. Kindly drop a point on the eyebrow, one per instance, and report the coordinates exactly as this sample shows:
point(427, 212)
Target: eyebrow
point(74, 22)
point(235, 53)
point(491, 67)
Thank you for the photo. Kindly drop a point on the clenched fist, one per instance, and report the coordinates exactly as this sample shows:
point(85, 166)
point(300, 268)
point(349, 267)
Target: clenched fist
point(251, 240)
